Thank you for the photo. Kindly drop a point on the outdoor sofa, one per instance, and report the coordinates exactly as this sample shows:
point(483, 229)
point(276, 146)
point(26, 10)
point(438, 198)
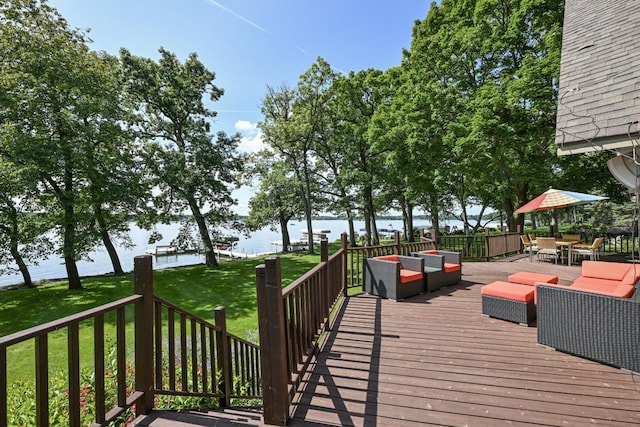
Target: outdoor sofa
point(393, 276)
point(441, 268)
point(596, 317)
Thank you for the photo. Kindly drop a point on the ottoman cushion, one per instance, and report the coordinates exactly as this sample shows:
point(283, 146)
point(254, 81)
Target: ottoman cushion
point(527, 278)
point(511, 291)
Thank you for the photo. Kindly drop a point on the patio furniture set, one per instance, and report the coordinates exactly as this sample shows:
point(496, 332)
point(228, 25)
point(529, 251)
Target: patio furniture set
point(596, 317)
point(398, 277)
point(551, 248)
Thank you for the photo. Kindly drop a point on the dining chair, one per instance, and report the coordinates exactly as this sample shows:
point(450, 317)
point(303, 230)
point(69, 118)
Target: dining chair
point(527, 244)
point(547, 248)
point(591, 250)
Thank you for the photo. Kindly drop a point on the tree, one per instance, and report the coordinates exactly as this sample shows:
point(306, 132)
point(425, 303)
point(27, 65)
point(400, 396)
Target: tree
point(23, 237)
point(275, 202)
point(57, 95)
point(496, 62)
point(191, 170)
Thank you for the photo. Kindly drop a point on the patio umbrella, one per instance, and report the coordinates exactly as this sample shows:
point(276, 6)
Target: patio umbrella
point(553, 199)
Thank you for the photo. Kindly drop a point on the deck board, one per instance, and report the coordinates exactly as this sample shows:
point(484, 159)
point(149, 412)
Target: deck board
point(434, 360)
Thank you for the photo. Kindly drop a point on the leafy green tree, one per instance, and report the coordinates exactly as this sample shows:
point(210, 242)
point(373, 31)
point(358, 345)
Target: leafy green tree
point(63, 100)
point(354, 102)
point(275, 202)
point(191, 170)
point(496, 62)
point(23, 237)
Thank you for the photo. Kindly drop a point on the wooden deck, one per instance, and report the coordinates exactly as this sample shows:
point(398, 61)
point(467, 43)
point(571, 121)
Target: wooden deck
point(435, 360)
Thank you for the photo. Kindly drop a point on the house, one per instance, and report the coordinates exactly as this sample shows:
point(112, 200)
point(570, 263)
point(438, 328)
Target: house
point(599, 87)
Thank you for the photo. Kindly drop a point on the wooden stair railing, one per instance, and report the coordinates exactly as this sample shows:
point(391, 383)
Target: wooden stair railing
point(218, 365)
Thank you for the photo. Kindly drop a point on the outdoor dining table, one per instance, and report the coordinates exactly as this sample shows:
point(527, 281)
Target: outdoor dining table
point(567, 244)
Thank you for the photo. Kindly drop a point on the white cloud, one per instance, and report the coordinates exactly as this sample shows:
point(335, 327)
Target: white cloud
point(251, 137)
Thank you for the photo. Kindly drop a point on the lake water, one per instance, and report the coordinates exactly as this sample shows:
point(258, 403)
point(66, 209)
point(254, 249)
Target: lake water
point(259, 242)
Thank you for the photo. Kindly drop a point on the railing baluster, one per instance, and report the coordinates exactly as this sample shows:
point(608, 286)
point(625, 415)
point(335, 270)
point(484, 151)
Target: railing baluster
point(205, 364)
point(121, 351)
point(172, 349)
point(98, 358)
point(183, 352)
point(158, 345)
point(212, 352)
point(42, 380)
point(194, 356)
point(3, 386)
point(73, 355)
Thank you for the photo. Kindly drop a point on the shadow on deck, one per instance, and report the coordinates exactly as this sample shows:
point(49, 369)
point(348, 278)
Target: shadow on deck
point(435, 360)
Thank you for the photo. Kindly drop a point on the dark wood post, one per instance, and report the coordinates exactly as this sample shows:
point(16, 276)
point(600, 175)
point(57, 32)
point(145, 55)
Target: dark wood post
point(486, 243)
point(273, 354)
point(3, 386)
point(345, 260)
point(143, 285)
point(396, 241)
point(324, 250)
point(224, 359)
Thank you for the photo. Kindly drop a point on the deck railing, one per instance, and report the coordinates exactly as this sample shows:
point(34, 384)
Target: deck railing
point(209, 362)
point(292, 322)
point(356, 255)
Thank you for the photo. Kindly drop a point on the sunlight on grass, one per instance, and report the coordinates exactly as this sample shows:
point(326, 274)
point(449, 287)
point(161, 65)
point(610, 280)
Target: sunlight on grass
point(197, 289)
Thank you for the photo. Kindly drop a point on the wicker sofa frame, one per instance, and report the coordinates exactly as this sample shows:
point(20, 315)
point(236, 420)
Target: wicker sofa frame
point(590, 325)
point(382, 277)
point(435, 276)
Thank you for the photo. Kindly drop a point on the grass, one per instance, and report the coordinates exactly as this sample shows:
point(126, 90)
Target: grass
point(197, 289)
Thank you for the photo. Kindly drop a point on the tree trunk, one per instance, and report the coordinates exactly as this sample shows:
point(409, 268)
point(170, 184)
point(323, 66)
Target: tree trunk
point(286, 239)
point(106, 241)
point(26, 276)
point(373, 228)
point(69, 243)
point(209, 254)
point(352, 229)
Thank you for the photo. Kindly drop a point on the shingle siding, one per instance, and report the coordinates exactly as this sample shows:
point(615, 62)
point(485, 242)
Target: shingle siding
point(599, 88)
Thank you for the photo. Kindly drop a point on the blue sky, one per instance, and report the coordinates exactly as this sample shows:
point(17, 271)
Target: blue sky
point(250, 44)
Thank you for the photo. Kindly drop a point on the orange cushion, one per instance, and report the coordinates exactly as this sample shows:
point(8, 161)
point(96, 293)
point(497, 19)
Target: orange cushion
point(506, 290)
point(527, 278)
point(449, 268)
point(409, 276)
point(430, 252)
point(388, 258)
point(605, 287)
point(605, 270)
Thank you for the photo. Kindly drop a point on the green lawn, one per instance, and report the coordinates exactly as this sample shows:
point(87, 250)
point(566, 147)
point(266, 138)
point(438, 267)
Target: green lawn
point(197, 289)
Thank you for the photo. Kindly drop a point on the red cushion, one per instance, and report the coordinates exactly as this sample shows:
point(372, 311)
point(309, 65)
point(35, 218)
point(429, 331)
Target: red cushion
point(409, 275)
point(605, 270)
point(601, 286)
point(430, 252)
point(527, 278)
point(506, 290)
point(388, 258)
point(449, 268)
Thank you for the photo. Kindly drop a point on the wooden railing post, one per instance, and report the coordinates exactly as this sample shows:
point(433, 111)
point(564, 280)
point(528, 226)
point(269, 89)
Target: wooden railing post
point(224, 359)
point(486, 243)
point(143, 285)
point(396, 241)
point(273, 354)
point(345, 260)
point(324, 250)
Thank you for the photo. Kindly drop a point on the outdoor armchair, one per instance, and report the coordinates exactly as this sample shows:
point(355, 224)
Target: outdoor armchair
point(447, 265)
point(393, 276)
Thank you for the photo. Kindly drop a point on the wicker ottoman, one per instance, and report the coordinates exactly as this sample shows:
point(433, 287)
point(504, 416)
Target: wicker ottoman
point(509, 301)
point(527, 278)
